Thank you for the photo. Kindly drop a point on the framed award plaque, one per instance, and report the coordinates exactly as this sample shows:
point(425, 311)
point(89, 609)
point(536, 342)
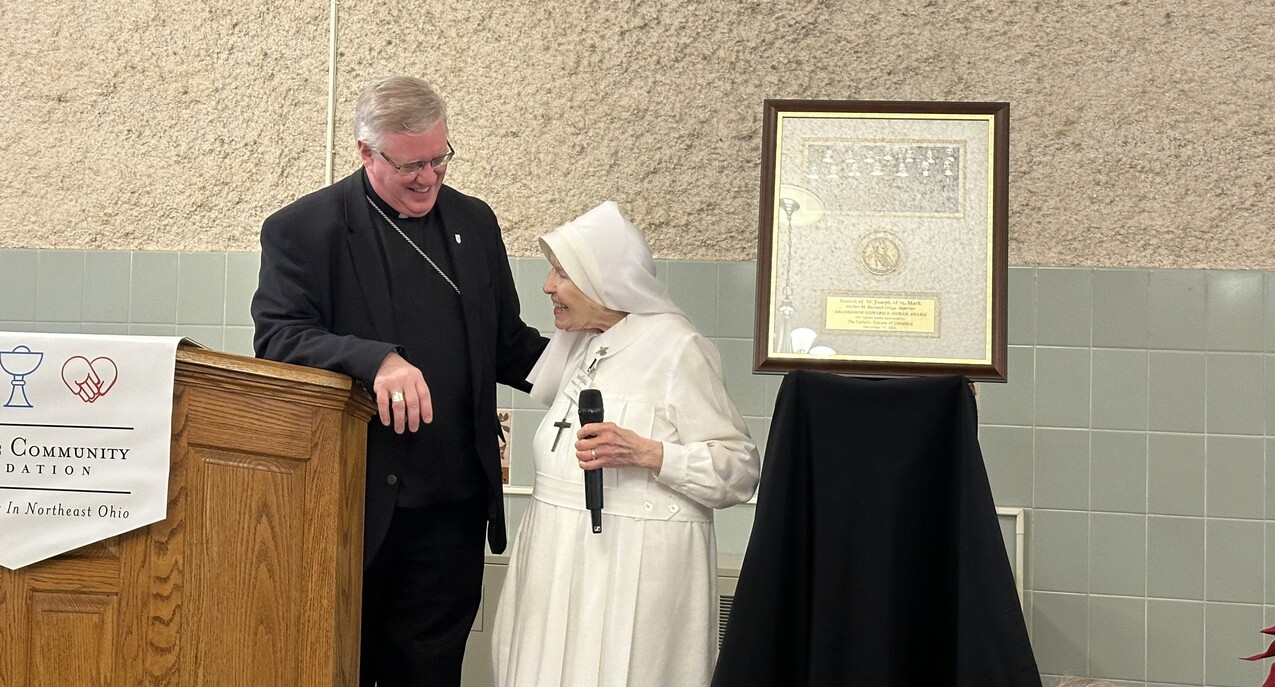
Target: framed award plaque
point(882, 243)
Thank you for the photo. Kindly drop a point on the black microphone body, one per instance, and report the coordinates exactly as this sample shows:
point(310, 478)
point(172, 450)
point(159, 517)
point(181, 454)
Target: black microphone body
point(591, 412)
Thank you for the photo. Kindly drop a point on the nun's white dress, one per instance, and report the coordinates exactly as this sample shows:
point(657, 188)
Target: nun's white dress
point(634, 606)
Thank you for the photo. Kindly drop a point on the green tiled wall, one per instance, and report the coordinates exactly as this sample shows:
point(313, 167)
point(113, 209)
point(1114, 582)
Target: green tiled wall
point(1136, 431)
point(201, 295)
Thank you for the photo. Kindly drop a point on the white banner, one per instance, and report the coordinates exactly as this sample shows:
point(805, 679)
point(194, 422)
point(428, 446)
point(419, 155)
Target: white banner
point(85, 428)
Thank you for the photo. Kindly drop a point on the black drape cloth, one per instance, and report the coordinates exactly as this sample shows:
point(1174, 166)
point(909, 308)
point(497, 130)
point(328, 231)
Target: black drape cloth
point(876, 558)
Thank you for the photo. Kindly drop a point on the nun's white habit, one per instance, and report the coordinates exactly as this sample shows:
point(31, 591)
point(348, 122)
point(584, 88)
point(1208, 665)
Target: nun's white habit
point(634, 606)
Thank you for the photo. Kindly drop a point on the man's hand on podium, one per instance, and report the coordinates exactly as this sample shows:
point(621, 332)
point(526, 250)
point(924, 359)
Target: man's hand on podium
point(402, 396)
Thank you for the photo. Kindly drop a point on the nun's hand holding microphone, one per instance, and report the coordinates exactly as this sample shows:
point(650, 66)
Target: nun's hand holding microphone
point(607, 445)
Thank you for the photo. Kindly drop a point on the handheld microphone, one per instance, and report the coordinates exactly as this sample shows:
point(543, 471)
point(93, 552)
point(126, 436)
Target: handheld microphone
point(590, 412)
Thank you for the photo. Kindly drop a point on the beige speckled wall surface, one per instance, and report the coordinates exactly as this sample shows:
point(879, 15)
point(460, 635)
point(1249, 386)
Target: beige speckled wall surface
point(1141, 132)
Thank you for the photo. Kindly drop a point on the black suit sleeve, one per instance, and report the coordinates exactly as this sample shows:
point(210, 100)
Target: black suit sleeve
point(293, 309)
point(518, 344)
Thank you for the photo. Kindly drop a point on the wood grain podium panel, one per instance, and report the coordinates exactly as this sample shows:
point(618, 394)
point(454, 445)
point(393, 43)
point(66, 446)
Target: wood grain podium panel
point(252, 579)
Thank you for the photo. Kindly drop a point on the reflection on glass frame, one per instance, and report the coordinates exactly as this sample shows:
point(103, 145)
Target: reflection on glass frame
point(883, 238)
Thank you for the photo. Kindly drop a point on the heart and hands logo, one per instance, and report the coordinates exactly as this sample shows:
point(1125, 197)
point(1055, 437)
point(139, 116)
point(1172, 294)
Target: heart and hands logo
point(89, 379)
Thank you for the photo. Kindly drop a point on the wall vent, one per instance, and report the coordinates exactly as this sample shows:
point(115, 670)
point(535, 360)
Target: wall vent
point(724, 604)
point(727, 580)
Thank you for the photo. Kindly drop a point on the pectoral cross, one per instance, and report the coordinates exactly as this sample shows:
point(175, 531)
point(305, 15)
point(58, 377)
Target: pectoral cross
point(562, 424)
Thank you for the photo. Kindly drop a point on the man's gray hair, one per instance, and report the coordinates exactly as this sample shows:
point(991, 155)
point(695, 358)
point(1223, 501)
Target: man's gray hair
point(396, 105)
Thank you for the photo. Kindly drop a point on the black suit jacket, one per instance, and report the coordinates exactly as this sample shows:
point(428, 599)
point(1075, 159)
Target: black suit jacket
point(875, 557)
point(323, 300)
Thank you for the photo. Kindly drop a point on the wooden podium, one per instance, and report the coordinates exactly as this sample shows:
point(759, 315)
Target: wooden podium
point(253, 579)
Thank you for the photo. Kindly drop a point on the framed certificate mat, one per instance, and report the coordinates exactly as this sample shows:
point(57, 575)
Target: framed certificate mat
point(882, 243)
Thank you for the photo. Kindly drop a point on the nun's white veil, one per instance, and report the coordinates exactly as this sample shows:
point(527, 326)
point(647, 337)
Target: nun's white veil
point(606, 256)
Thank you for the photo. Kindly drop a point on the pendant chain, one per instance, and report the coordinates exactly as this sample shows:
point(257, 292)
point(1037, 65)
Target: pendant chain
point(441, 273)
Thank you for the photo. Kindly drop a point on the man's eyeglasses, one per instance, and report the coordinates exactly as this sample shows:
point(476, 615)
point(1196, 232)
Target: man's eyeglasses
point(414, 168)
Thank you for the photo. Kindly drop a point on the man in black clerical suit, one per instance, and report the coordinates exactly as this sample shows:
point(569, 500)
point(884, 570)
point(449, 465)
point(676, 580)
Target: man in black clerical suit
point(403, 283)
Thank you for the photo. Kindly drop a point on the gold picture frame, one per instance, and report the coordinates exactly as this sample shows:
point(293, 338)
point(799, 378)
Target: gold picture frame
point(883, 238)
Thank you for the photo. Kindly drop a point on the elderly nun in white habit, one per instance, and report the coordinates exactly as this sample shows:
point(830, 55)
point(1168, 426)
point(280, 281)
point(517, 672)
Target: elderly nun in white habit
point(637, 604)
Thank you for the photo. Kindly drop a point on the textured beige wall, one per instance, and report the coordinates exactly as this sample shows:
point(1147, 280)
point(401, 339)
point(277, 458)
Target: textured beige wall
point(1140, 131)
point(157, 125)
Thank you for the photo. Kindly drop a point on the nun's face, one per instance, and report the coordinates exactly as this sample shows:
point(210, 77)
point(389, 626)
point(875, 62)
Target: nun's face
point(573, 311)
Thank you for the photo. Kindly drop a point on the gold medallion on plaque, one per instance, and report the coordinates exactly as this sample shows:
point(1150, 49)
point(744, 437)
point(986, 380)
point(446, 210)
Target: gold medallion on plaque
point(881, 253)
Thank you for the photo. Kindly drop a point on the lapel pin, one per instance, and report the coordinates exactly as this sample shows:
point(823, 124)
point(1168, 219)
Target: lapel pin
point(457, 238)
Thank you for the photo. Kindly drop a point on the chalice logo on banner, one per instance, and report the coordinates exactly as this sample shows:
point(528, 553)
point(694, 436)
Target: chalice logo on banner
point(19, 363)
point(77, 467)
